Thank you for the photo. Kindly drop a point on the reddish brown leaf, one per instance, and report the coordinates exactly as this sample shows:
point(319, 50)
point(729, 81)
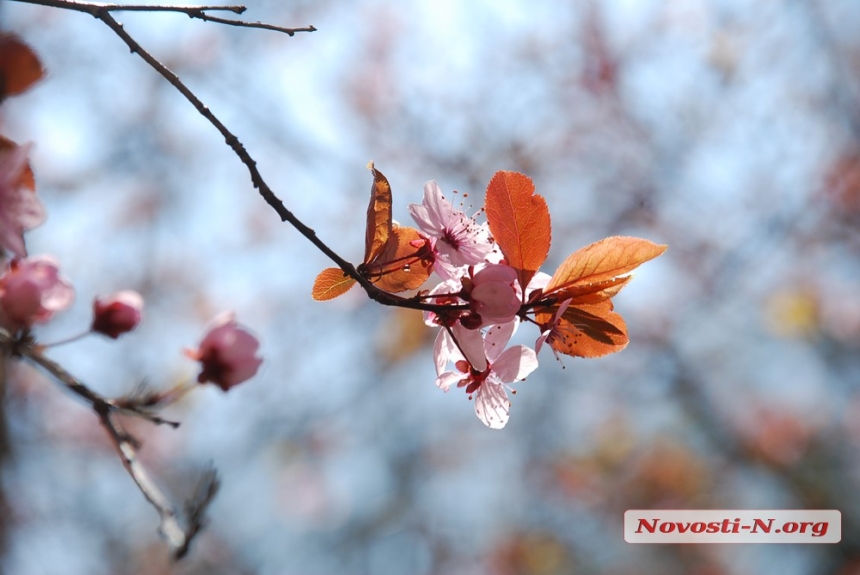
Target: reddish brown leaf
point(331, 283)
point(602, 261)
point(589, 330)
point(404, 264)
point(26, 178)
point(519, 221)
point(20, 68)
point(379, 224)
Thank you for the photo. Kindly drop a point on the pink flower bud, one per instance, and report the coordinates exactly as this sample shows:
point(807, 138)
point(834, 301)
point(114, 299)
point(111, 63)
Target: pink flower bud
point(227, 353)
point(118, 313)
point(493, 294)
point(32, 290)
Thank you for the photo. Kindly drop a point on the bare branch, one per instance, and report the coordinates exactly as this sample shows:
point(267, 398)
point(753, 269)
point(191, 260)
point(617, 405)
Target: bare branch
point(78, 388)
point(241, 23)
point(198, 12)
point(93, 8)
point(126, 445)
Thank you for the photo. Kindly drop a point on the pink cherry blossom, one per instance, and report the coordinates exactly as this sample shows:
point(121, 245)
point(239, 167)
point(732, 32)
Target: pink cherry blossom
point(20, 209)
point(458, 240)
point(489, 386)
point(494, 294)
point(118, 313)
point(227, 353)
point(32, 290)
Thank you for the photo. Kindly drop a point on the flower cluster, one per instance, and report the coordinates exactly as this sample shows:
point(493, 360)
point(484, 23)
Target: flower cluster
point(491, 284)
point(484, 300)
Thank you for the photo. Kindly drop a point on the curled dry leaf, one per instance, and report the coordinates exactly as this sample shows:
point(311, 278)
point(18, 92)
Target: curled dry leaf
point(519, 221)
point(379, 219)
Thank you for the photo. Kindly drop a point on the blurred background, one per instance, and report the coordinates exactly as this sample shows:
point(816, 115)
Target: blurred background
point(727, 129)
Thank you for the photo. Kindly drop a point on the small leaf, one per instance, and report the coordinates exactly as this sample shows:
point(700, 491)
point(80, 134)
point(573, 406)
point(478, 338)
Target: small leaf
point(404, 264)
point(590, 330)
point(331, 283)
point(20, 68)
point(602, 261)
point(378, 216)
point(519, 221)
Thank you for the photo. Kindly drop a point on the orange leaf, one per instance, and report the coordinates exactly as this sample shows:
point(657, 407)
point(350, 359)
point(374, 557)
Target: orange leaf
point(378, 216)
point(20, 68)
point(602, 261)
point(589, 330)
point(331, 283)
point(519, 221)
point(402, 265)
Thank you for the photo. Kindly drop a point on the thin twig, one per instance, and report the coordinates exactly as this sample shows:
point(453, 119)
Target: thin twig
point(242, 23)
point(125, 446)
point(373, 292)
point(93, 8)
point(198, 12)
point(78, 388)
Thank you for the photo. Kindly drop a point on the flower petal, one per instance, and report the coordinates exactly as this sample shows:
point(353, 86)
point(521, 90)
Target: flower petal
point(447, 379)
point(515, 363)
point(492, 406)
point(498, 337)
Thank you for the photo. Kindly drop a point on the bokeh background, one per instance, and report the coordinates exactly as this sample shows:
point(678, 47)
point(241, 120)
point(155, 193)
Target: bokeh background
point(728, 129)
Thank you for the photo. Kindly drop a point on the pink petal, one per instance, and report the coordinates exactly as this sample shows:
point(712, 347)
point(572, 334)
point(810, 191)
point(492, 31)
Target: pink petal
point(515, 363)
point(492, 406)
point(497, 338)
point(447, 379)
point(495, 273)
point(444, 351)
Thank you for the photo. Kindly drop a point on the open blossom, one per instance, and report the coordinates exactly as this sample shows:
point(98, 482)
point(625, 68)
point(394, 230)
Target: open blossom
point(227, 353)
point(458, 240)
point(118, 313)
point(32, 290)
point(489, 386)
point(20, 209)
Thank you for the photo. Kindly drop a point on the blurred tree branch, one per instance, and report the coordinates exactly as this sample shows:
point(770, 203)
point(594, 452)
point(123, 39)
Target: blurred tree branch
point(126, 444)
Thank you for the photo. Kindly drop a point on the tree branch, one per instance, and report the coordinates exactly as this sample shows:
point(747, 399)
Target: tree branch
point(93, 8)
point(102, 12)
point(126, 446)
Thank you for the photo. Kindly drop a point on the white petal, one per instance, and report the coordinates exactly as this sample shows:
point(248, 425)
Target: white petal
point(439, 209)
point(492, 406)
point(422, 218)
point(515, 363)
point(444, 351)
point(497, 338)
point(447, 379)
